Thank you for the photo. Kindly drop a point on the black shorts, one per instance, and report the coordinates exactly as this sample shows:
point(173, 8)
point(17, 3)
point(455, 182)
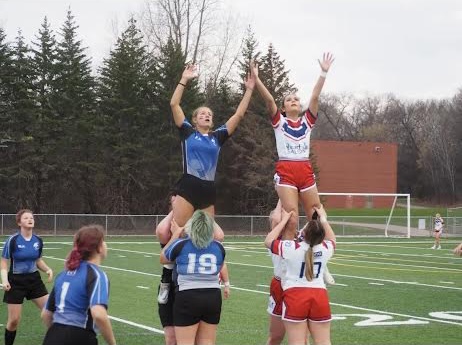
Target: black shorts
point(166, 310)
point(59, 334)
point(195, 305)
point(28, 285)
point(199, 193)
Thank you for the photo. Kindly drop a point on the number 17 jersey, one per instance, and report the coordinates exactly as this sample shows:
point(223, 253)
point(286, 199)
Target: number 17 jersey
point(293, 254)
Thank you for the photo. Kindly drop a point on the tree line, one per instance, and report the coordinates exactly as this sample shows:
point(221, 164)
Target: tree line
point(75, 141)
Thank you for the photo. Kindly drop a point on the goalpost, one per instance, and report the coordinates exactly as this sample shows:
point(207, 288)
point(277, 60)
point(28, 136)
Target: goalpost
point(369, 214)
point(453, 221)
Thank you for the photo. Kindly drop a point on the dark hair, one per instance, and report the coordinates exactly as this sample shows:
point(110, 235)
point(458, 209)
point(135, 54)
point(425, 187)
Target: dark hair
point(86, 243)
point(20, 213)
point(314, 234)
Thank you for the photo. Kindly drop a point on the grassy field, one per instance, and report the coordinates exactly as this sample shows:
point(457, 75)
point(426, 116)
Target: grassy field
point(389, 291)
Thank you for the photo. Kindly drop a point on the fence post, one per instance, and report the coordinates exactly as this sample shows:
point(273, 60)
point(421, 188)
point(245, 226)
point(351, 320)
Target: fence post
point(54, 225)
point(2, 224)
point(251, 225)
point(105, 225)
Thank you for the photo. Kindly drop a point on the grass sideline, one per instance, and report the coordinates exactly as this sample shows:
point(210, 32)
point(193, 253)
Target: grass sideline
point(389, 291)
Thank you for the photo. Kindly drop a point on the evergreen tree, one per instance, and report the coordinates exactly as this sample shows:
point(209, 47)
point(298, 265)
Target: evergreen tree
point(74, 103)
point(275, 76)
point(127, 91)
point(47, 129)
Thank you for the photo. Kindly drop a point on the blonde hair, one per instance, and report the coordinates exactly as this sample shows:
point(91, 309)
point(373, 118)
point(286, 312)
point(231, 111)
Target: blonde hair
point(200, 229)
point(438, 215)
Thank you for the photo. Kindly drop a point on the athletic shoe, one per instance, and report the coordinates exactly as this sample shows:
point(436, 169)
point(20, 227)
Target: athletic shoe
point(328, 279)
point(439, 247)
point(434, 247)
point(164, 289)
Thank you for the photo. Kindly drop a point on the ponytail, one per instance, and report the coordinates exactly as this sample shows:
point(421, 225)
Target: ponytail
point(86, 243)
point(73, 259)
point(314, 234)
point(309, 264)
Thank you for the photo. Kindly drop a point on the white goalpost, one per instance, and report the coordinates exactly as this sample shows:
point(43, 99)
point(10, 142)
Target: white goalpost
point(453, 220)
point(369, 214)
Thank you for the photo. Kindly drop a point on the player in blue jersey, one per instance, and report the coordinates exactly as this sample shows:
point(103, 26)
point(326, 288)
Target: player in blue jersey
point(199, 260)
point(201, 146)
point(23, 253)
point(78, 303)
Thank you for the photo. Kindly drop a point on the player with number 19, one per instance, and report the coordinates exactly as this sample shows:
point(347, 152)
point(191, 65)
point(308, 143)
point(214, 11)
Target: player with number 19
point(199, 261)
point(77, 306)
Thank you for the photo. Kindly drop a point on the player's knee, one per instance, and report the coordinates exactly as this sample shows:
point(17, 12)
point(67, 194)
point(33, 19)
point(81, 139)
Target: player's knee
point(13, 323)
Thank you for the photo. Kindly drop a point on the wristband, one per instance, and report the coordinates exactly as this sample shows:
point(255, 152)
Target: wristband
point(323, 74)
point(226, 284)
point(180, 83)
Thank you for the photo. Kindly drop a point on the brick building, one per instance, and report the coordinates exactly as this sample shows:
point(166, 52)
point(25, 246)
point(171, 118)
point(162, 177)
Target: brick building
point(355, 167)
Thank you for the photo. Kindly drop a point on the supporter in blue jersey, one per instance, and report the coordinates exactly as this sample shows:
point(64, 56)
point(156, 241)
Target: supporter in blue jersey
point(199, 260)
point(23, 253)
point(77, 307)
point(201, 146)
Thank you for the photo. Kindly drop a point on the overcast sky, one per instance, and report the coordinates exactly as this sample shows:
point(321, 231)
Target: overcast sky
point(412, 48)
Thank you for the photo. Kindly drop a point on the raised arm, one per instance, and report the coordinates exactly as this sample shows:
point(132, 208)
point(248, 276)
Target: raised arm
point(176, 233)
point(234, 120)
point(264, 93)
point(189, 73)
point(327, 60)
point(330, 235)
point(277, 230)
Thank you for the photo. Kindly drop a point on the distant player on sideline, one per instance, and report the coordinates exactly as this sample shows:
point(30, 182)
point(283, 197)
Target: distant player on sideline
point(439, 223)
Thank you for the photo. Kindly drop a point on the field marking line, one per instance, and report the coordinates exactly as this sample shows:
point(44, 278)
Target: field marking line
point(113, 268)
point(131, 323)
point(425, 268)
point(366, 309)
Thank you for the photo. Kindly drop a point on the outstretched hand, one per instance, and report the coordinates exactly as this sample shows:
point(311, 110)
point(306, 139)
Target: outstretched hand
point(190, 72)
point(250, 81)
point(322, 215)
point(254, 68)
point(327, 60)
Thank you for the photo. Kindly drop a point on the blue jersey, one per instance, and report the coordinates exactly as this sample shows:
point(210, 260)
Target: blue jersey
point(200, 151)
point(22, 253)
point(75, 292)
point(196, 268)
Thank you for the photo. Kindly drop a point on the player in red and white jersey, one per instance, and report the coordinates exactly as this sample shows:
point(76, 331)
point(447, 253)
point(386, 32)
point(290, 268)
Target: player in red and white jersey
point(294, 175)
point(305, 298)
point(278, 220)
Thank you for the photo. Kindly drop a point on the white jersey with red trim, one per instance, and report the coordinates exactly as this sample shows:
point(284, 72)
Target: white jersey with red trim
point(278, 265)
point(293, 253)
point(293, 137)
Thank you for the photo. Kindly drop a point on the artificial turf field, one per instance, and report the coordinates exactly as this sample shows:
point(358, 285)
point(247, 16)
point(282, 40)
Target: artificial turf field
point(388, 291)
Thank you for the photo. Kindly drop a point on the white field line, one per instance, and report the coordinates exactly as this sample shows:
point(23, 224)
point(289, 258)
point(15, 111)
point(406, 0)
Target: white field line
point(113, 268)
point(339, 275)
point(397, 264)
point(380, 284)
point(152, 329)
point(367, 309)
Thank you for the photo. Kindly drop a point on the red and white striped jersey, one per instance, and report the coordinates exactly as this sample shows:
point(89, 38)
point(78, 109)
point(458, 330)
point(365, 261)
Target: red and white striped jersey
point(293, 253)
point(293, 137)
